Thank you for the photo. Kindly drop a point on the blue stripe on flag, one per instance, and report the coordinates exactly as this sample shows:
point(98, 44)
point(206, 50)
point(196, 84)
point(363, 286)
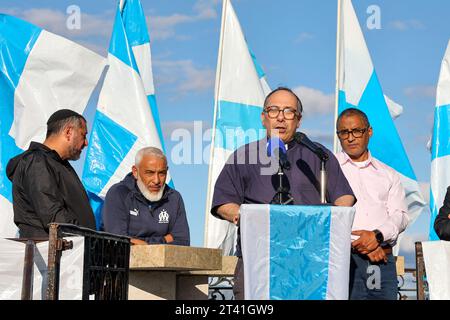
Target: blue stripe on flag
point(135, 24)
point(385, 143)
point(237, 124)
point(299, 268)
point(434, 212)
point(108, 146)
point(97, 205)
point(155, 113)
point(118, 46)
point(8, 148)
point(17, 38)
point(258, 67)
point(441, 134)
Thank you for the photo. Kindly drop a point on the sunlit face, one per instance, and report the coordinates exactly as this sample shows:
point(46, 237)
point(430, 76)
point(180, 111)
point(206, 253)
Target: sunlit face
point(77, 141)
point(355, 147)
point(151, 173)
point(279, 126)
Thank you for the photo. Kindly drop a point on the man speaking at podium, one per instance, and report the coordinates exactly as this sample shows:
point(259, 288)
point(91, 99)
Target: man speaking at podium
point(246, 177)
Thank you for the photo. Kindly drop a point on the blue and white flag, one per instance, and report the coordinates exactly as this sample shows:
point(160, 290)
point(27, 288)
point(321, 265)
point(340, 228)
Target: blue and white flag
point(127, 118)
point(360, 88)
point(440, 148)
point(239, 97)
point(40, 73)
point(296, 252)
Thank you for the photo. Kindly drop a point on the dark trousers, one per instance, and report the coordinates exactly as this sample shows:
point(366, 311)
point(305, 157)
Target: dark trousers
point(238, 287)
point(372, 281)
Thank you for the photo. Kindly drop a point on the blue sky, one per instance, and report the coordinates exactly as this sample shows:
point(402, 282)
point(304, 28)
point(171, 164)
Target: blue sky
point(295, 42)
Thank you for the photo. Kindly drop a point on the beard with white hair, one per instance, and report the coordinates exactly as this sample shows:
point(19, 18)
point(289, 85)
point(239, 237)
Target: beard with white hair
point(150, 196)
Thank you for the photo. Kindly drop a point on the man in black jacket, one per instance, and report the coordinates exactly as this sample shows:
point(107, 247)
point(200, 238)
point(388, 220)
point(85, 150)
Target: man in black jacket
point(45, 186)
point(442, 222)
point(143, 207)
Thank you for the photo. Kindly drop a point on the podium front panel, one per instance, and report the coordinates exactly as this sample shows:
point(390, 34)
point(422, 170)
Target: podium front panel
point(296, 252)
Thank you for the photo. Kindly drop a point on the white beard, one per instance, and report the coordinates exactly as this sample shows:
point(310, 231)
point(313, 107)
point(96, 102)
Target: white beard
point(150, 196)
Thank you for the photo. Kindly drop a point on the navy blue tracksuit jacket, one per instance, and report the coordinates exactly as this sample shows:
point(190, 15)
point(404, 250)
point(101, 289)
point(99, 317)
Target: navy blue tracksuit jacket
point(127, 212)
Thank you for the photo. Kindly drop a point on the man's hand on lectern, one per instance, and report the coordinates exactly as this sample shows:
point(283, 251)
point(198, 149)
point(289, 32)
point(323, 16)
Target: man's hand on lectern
point(135, 241)
point(169, 238)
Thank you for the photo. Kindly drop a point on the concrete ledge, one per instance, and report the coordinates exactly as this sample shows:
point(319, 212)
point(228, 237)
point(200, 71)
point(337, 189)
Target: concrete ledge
point(228, 266)
point(174, 258)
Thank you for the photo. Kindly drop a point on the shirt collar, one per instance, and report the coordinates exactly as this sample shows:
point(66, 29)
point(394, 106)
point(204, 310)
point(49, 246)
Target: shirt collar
point(370, 160)
point(288, 145)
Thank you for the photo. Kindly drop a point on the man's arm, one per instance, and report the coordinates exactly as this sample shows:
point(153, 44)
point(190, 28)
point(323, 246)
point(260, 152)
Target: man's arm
point(41, 187)
point(230, 212)
point(179, 231)
point(397, 209)
point(228, 194)
point(345, 201)
point(442, 222)
point(115, 215)
point(339, 192)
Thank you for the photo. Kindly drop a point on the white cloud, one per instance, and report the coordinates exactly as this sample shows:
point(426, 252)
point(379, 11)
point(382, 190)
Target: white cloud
point(304, 36)
point(421, 91)
point(100, 25)
point(315, 101)
point(55, 21)
point(170, 126)
point(207, 8)
point(183, 75)
point(163, 27)
point(404, 25)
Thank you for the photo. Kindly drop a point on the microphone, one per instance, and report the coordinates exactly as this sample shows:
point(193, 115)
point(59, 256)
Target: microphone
point(277, 149)
point(301, 138)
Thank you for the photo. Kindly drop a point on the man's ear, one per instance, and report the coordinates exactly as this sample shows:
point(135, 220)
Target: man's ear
point(68, 131)
point(134, 170)
point(262, 118)
point(299, 121)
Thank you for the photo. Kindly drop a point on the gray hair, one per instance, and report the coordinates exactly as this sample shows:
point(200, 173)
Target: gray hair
point(149, 151)
point(299, 103)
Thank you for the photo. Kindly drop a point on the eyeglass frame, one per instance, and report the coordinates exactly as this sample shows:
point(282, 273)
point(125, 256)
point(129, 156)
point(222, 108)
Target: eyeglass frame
point(295, 113)
point(363, 131)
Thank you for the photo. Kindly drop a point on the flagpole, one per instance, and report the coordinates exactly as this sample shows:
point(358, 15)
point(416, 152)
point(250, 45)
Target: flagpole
point(213, 134)
point(338, 69)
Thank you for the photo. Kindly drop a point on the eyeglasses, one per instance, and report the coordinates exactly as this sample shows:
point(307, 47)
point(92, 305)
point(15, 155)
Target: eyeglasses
point(288, 113)
point(357, 133)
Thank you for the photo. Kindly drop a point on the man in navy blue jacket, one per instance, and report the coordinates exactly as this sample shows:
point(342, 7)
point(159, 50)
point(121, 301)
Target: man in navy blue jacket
point(143, 207)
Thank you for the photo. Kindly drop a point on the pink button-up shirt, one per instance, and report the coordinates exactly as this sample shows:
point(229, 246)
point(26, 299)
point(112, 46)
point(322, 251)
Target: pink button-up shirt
point(381, 197)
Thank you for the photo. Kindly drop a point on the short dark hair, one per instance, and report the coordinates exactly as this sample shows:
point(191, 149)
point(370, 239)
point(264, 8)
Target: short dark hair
point(299, 103)
point(353, 112)
point(61, 118)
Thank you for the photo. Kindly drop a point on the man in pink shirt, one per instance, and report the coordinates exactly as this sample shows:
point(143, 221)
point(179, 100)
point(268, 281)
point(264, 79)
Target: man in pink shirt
point(381, 211)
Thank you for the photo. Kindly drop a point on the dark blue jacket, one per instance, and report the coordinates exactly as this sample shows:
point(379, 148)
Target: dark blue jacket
point(127, 212)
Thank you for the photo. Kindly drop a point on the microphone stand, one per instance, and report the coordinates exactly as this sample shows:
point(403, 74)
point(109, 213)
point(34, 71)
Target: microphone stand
point(301, 138)
point(323, 181)
point(282, 192)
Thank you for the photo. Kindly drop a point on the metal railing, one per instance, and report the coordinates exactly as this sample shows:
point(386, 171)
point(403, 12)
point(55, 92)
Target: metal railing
point(105, 263)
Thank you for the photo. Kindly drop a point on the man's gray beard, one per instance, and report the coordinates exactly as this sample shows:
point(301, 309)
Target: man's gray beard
point(147, 194)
